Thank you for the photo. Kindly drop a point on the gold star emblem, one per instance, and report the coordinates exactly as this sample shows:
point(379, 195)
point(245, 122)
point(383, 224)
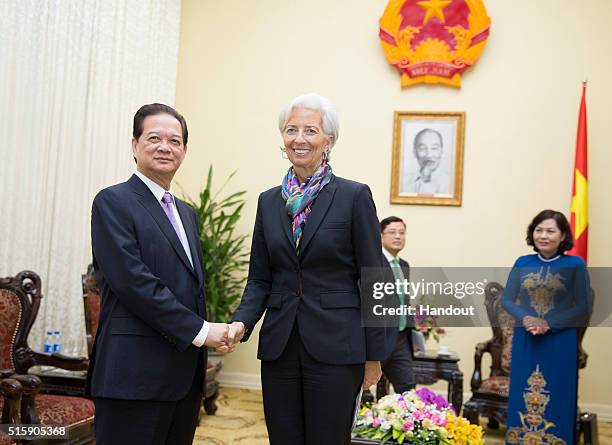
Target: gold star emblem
point(434, 8)
point(580, 206)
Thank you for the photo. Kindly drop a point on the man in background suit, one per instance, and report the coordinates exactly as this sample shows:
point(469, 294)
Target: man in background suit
point(398, 367)
point(148, 362)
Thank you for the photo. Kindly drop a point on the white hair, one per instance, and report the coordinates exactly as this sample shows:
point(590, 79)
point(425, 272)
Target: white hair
point(315, 102)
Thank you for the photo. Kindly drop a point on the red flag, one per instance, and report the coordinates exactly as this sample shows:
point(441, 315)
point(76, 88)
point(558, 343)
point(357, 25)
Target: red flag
point(579, 219)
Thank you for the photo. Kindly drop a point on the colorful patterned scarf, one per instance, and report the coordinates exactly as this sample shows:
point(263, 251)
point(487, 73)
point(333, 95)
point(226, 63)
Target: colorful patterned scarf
point(299, 197)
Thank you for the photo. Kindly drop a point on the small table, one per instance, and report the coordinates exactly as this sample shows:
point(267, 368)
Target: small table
point(429, 367)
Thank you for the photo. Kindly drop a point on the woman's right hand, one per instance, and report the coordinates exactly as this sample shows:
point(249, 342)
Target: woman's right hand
point(535, 325)
point(529, 323)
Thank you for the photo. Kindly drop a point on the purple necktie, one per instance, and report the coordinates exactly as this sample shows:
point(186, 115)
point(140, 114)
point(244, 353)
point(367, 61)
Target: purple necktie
point(167, 205)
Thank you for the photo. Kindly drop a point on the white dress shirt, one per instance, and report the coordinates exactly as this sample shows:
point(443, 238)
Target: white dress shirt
point(158, 191)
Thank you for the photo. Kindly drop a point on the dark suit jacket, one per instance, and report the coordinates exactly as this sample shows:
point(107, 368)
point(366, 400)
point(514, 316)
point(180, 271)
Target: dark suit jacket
point(152, 299)
point(319, 289)
point(393, 331)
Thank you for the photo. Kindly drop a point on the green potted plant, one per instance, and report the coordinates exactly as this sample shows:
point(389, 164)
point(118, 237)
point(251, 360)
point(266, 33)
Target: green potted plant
point(223, 250)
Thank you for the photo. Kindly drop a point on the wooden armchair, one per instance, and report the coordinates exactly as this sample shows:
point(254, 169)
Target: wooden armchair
point(490, 394)
point(19, 303)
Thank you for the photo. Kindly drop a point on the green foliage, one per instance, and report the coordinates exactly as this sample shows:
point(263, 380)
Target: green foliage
point(224, 252)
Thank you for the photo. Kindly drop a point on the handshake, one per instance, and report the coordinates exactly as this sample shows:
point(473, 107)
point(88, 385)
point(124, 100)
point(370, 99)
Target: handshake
point(224, 337)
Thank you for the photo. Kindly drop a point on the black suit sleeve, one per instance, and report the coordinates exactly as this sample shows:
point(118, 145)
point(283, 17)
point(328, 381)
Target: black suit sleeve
point(259, 281)
point(367, 246)
point(117, 254)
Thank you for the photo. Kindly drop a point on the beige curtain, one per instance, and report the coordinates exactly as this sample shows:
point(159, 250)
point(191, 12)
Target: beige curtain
point(72, 74)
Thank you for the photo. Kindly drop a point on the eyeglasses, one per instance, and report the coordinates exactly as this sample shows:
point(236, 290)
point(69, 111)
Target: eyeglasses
point(394, 232)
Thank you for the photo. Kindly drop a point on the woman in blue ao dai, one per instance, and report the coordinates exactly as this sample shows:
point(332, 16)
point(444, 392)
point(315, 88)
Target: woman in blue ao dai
point(549, 295)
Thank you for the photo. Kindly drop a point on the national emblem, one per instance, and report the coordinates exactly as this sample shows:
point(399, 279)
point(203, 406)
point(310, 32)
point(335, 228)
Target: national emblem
point(433, 41)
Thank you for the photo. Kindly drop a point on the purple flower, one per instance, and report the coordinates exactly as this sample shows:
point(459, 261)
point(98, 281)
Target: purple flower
point(426, 395)
point(430, 397)
point(418, 318)
point(441, 402)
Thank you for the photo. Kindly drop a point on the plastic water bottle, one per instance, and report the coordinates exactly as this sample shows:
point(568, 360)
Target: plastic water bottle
point(49, 344)
point(57, 344)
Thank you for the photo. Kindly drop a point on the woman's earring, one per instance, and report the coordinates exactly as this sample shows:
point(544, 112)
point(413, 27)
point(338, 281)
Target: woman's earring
point(326, 155)
point(284, 152)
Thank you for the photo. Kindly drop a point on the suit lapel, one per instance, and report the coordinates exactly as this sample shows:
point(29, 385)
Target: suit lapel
point(318, 212)
point(192, 237)
point(148, 201)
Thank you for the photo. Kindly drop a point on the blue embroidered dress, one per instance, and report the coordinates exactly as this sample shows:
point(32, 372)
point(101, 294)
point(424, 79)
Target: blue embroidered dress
point(544, 373)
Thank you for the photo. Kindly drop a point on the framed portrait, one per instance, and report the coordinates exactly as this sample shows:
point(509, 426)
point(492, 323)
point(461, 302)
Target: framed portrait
point(427, 167)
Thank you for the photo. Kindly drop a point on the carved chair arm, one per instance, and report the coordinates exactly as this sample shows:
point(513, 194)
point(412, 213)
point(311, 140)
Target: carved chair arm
point(11, 391)
point(31, 387)
point(61, 361)
point(481, 348)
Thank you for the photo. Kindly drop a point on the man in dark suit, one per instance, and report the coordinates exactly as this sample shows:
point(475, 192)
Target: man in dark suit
point(398, 367)
point(148, 362)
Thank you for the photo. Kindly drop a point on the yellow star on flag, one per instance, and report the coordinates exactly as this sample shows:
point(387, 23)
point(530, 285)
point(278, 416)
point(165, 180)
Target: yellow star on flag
point(434, 8)
point(580, 204)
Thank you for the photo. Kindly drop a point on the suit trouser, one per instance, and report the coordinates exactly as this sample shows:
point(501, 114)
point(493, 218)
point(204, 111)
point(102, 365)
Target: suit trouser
point(146, 422)
point(398, 367)
point(307, 402)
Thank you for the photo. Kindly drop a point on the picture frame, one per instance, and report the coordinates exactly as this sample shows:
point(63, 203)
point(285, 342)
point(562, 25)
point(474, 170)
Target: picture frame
point(427, 162)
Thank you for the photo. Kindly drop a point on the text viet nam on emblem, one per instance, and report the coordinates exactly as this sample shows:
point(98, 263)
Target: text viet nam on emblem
point(433, 41)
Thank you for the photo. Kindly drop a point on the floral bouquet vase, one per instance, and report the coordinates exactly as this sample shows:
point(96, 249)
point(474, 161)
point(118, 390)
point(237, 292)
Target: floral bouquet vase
point(418, 417)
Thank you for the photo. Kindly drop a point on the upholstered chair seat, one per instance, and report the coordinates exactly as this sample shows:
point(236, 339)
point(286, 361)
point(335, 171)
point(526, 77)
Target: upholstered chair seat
point(498, 385)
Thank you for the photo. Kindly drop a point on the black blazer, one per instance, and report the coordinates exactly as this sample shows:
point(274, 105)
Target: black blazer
point(152, 299)
point(319, 289)
point(393, 330)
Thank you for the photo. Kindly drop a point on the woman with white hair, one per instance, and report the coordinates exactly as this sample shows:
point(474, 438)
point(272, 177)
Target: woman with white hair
point(313, 235)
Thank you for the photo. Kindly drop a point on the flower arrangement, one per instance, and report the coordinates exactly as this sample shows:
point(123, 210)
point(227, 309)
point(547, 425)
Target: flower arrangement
point(417, 417)
point(428, 325)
